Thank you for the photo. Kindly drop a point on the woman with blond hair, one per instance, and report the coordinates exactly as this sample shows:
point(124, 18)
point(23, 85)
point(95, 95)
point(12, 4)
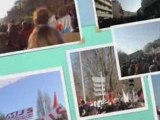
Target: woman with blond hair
point(42, 34)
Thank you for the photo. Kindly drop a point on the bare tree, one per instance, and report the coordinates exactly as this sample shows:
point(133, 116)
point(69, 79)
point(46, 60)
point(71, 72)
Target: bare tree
point(2, 116)
point(43, 104)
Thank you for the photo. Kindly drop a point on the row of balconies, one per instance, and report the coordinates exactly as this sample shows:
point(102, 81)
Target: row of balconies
point(104, 14)
point(105, 8)
point(105, 2)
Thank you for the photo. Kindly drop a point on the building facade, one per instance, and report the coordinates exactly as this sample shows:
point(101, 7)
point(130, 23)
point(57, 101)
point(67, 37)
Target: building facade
point(104, 9)
point(117, 9)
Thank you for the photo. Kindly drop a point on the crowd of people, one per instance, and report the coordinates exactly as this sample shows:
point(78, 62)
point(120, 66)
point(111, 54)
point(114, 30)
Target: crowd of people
point(111, 103)
point(28, 35)
point(143, 64)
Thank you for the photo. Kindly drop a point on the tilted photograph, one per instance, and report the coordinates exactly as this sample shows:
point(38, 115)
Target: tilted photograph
point(155, 81)
point(137, 48)
point(38, 95)
point(31, 24)
point(97, 90)
point(116, 12)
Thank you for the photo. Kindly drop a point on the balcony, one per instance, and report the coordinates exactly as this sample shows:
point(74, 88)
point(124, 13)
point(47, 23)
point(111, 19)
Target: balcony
point(103, 8)
point(104, 14)
point(106, 3)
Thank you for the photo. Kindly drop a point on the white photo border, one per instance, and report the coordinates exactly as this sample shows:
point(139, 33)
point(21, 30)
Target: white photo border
point(153, 96)
point(116, 51)
point(53, 46)
point(36, 72)
point(96, 19)
point(69, 52)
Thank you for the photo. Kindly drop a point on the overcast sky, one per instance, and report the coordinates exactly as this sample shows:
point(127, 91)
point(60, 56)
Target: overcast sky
point(5, 5)
point(130, 5)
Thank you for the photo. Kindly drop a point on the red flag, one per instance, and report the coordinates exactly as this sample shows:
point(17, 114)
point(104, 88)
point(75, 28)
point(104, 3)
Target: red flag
point(55, 104)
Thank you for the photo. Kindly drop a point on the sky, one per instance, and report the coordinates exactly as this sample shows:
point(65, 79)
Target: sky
point(156, 88)
point(129, 39)
point(130, 5)
point(23, 93)
point(5, 5)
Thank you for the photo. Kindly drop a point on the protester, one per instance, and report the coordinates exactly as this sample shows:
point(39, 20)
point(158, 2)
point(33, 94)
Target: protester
point(142, 64)
point(13, 37)
point(43, 34)
point(24, 34)
point(112, 102)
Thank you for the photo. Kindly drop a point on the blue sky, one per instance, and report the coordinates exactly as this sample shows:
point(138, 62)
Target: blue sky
point(5, 5)
point(132, 38)
point(130, 5)
point(23, 94)
point(156, 88)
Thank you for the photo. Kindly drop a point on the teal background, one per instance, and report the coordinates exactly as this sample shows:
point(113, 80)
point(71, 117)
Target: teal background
point(56, 57)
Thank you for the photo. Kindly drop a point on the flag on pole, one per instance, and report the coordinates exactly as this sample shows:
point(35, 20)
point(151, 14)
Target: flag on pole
point(55, 103)
point(125, 96)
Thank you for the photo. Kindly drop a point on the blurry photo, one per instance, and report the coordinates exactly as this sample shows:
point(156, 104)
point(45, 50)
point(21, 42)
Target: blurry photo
point(115, 12)
point(137, 48)
point(97, 90)
point(155, 80)
point(29, 24)
point(38, 95)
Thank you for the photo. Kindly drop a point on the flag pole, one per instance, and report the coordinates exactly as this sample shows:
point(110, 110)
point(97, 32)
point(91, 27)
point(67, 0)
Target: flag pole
point(82, 77)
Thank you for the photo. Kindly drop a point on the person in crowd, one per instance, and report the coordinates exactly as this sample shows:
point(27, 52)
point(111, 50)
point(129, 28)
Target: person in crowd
point(139, 67)
point(132, 69)
point(13, 37)
point(43, 34)
point(41, 16)
point(153, 67)
point(24, 35)
point(124, 70)
point(82, 108)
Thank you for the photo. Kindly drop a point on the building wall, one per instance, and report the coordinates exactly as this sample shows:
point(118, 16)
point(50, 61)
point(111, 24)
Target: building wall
point(117, 9)
point(104, 8)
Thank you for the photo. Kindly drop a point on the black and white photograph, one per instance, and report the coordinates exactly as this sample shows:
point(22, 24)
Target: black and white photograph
point(154, 86)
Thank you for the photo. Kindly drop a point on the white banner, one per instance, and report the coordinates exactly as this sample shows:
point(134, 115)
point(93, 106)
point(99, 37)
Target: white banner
point(25, 114)
point(65, 22)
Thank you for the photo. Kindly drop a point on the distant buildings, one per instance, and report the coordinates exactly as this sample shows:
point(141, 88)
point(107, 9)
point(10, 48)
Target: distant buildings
point(104, 9)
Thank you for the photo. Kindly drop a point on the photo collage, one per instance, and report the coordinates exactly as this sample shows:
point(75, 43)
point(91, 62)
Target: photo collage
point(79, 60)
